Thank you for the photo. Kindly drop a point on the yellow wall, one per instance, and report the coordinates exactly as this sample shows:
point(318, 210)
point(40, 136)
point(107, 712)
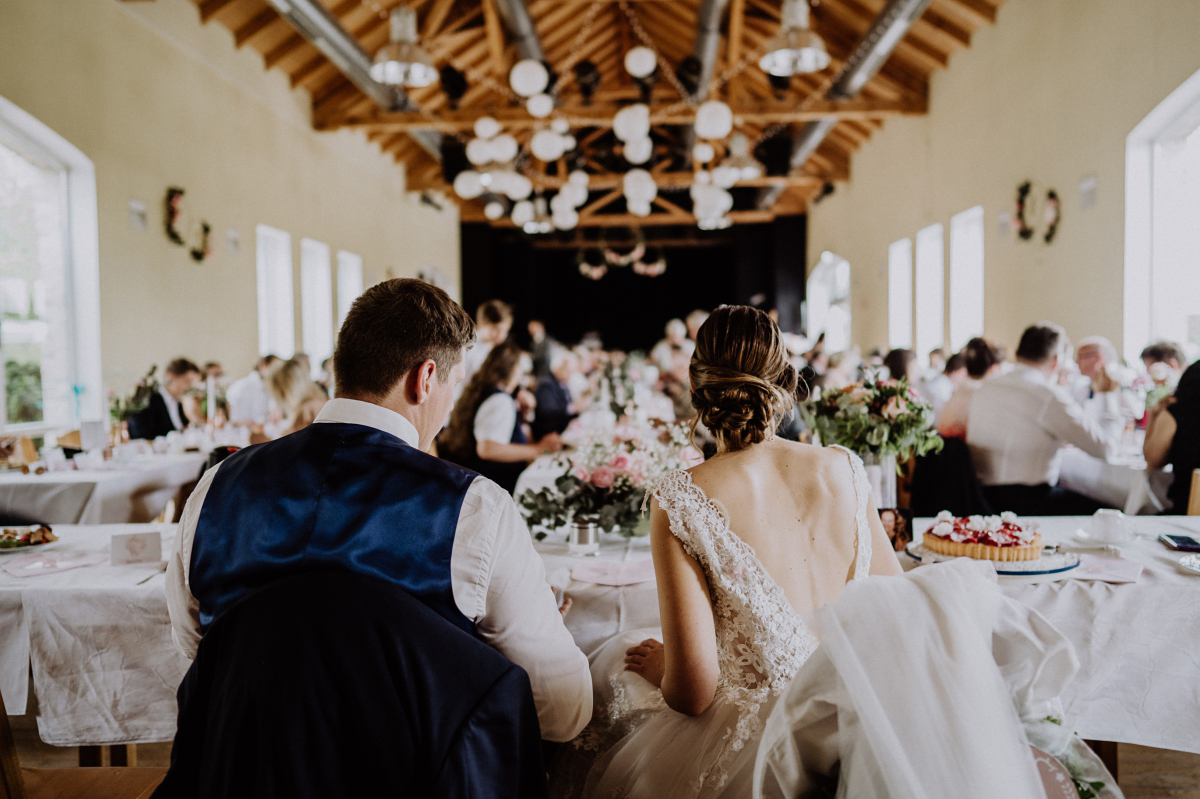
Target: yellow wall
point(1048, 94)
point(157, 100)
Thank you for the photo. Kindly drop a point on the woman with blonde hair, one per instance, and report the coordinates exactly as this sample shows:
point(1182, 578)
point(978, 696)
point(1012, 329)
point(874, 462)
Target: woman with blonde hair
point(297, 399)
point(744, 545)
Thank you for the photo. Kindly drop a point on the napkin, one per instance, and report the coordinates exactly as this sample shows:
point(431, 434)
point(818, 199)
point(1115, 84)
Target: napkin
point(613, 572)
point(37, 563)
point(1108, 570)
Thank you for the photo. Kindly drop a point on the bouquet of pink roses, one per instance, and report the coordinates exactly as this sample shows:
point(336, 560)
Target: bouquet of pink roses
point(605, 479)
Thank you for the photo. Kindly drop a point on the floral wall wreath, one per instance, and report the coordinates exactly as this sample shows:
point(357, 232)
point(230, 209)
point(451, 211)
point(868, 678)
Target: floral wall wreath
point(1051, 215)
point(647, 262)
point(172, 215)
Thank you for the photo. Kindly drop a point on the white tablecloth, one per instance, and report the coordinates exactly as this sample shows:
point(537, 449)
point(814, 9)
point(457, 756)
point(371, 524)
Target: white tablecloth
point(1121, 483)
point(135, 493)
point(99, 642)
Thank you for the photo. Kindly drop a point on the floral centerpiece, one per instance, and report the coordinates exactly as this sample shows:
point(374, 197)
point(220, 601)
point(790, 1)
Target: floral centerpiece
point(605, 479)
point(121, 408)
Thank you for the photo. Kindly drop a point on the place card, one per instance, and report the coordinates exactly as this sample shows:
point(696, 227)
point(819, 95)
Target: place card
point(136, 548)
point(1108, 570)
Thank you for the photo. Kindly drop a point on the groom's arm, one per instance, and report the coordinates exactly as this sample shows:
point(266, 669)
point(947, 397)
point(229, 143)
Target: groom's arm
point(500, 584)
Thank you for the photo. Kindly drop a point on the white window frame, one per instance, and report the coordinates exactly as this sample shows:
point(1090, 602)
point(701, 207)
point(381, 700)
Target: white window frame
point(316, 302)
point(82, 254)
point(900, 294)
point(276, 301)
point(967, 274)
point(929, 293)
point(349, 283)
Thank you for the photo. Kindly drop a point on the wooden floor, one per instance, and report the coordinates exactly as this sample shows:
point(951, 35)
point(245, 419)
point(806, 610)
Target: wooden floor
point(1145, 773)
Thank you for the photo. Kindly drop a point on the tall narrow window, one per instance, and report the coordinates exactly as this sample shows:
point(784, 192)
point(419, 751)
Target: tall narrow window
point(49, 279)
point(316, 302)
point(930, 292)
point(276, 305)
point(966, 277)
point(900, 294)
point(349, 282)
point(828, 298)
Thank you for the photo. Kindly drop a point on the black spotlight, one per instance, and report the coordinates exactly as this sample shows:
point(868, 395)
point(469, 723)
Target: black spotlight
point(775, 153)
point(454, 84)
point(587, 78)
point(688, 73)
point(646, 85)
point(826, 190)
point(454, 158)
point(779, 83)
point(553, 77)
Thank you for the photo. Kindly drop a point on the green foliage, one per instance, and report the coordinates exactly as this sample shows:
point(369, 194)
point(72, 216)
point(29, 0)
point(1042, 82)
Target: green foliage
point(884, 417)
point(23, 387)
point(1087, 790)
point(121, 408)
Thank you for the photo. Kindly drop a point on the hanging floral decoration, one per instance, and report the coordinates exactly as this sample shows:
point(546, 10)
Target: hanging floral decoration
point(1023, 228)
point(590, 270)
point(647, 268)
point(1052, 215)
point(630, 257)
point(172, 214)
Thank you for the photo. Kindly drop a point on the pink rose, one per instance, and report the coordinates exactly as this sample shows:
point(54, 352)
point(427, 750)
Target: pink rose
point(581, 474)
point(691, 457)
point(894, 408)
point(603, 477)
point(889, 382)
point(621, 462)
point(859, 394)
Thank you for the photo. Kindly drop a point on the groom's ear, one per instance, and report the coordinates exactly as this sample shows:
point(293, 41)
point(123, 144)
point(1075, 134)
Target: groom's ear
point(421, 380)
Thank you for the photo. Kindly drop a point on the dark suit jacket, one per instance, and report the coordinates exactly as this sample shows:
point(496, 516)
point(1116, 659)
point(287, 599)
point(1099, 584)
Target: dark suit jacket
point(553, 412)
point(152, 421)
point(335, 684)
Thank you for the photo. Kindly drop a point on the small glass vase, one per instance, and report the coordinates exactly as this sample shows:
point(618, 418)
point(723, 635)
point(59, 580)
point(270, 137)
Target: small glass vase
point(881, 476)
point(583, 540)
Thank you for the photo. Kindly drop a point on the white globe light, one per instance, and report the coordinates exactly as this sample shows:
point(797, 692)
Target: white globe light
point(639, 208)
point(640, 62)
point(577, 194)
point(638, 151)
point(479, 151)
point(517, 186)
point(467, 184)
point(494, 210)
point(703, 152)
point(566, 220)
point(632, 122)
point(546, 145)
point(560, 125)
point(752, 172)
point(561, 202)
point(522, 213)
point(726, 176)
point(714, 120)
point(578, 178)
point(540, 105)
point(638, 186)
point(702, 178)
point(504, 147)
point(528, 77)
point(486, 127)
point(569, 143)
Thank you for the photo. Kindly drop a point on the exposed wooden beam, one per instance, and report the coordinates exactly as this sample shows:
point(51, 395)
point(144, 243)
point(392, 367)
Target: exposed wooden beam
point(946, 26)
point(979, 9)
point(436, 18)
point(670, 180)
point(733, 45)
point(282, 50)
point(254, 26)
point(210, 8)
point(495, 39)
point(602, 116)
point(470, 214)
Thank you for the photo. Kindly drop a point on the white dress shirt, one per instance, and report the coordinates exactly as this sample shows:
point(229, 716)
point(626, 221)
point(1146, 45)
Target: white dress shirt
point(248, 400)
point(496, 419)
point(496, 576)
point(172, 408)
point(1020, 421)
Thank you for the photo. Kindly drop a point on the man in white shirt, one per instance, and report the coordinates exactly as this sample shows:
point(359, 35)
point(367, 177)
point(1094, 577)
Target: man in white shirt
point(493, 322)
point(1099, 380)
point(357, 491)
point(249, 403)
point(1021, 420)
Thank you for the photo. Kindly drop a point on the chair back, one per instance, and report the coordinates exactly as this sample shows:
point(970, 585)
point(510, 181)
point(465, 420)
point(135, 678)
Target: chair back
point(12, 786)
point(334, 683)
point(946, 480)
point(1193, 508)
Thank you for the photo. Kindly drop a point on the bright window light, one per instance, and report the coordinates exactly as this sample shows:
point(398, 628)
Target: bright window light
point(349, 282)
point(316, 302)
point(930, 292)
point(900, 294)
point(276, 306)
point(966, 277)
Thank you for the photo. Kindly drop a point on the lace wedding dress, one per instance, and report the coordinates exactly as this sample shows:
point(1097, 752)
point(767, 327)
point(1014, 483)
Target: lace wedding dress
point(649, 750)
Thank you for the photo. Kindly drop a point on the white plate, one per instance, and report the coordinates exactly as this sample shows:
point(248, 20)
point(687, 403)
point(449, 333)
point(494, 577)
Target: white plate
point(26, 549)
point(1191, 563)
point(1083, 538)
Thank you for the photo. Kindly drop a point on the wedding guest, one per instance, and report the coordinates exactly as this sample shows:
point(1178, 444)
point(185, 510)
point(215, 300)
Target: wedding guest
point(1099, 370)
point(694, 320)
point(212, 369)
point(938, 389)
point(356, 492)
point(902, 365)
point(485, 432)
point(981, 360)
point(493, 321)
point(1020, 421)
point(540, 345)
point(298, 398)
point(555, 408)
point(841, 370)
point(325, 381)
point(673, 353)
point(937, 362)
point(1164, 362)
point(1173, 437)
point(249, 402)
point(164, 413)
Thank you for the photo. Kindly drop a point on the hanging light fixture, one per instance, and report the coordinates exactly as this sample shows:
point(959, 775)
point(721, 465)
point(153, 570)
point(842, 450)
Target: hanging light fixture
point(795, 49)
point(403, 62)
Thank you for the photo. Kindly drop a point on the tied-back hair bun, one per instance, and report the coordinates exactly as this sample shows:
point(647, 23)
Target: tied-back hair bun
point(742, 383)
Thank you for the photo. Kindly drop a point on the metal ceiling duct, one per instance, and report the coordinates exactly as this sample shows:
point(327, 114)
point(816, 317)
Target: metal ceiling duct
point(893, 22)
point(323, 30)
point(708, 41)
point(520, 25)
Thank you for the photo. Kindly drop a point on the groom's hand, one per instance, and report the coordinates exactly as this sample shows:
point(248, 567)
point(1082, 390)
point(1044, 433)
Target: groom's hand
point(646, 659)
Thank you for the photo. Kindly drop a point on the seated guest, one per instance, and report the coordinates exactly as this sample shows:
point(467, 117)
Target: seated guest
point(693, 321)
point(980, 359)
point(540, 346)
point(493, 321)
point(555, 409)
point(938, 389)
point(1018, 423)
point(1099, 370)
point(1173, 436)
point(674, 352)
point(164, 413)
point(902, 365)
point(485, 432)
point(937, 362)
point(1164, 362)
point(249, 402)
point(356, 492)
point(297, 397)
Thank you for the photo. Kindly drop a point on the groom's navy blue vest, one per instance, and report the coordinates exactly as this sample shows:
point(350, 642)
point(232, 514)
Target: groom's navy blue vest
point(332, 495)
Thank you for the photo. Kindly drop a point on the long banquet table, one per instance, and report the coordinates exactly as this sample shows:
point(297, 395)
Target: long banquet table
point(105, 670)
point(134, 492)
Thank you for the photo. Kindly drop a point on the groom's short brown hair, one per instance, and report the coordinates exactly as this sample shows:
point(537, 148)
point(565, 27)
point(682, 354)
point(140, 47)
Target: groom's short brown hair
point(393, 327)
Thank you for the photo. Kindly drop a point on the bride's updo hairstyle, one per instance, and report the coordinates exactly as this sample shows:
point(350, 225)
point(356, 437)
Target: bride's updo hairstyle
point(742, 383)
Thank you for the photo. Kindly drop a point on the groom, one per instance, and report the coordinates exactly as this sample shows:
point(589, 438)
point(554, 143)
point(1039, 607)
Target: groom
point(356, 490)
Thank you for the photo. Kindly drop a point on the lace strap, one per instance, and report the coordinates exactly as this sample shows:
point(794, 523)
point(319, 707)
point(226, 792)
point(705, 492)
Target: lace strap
point(862, 530)
point(676, 495)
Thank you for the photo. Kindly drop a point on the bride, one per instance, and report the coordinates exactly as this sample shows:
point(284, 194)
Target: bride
point(744, 546)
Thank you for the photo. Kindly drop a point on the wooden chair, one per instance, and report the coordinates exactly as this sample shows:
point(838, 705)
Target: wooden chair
point(1193, 508)
point(69, 783)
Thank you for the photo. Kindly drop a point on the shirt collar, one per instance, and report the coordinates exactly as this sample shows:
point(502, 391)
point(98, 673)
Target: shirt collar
point(368, 414)
point(166, 395)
